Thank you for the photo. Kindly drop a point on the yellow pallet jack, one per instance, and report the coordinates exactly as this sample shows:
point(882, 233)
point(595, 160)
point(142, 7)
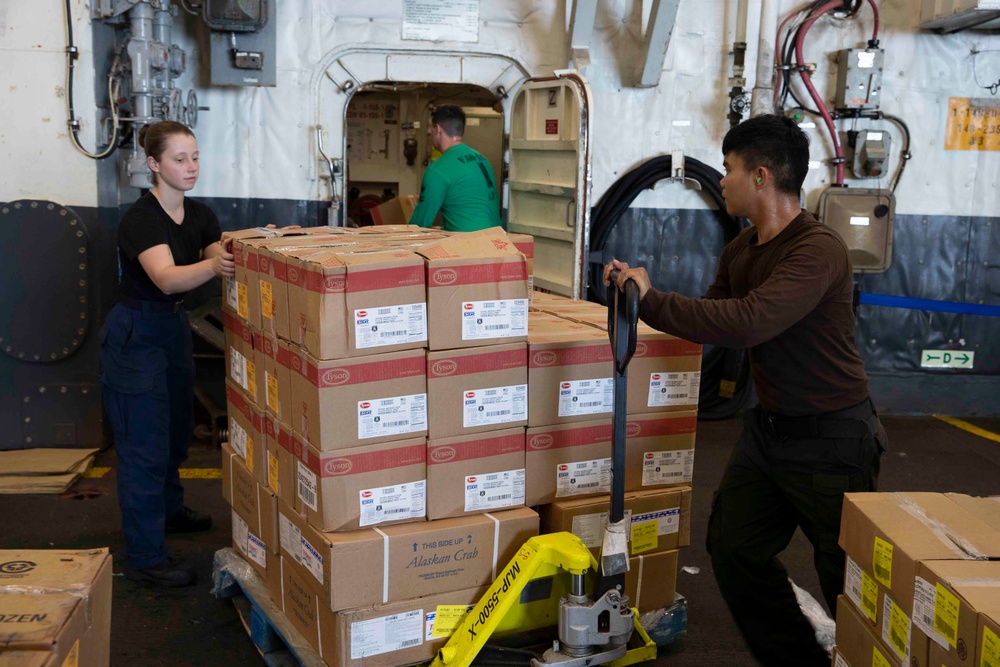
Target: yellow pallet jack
point(596, 628)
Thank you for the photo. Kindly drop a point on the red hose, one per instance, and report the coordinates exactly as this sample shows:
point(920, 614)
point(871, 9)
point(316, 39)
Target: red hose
point(807, 80)
point(875, 12)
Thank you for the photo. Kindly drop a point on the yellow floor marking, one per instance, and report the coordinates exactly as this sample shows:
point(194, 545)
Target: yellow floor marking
point(971, 428)
point(186, 473)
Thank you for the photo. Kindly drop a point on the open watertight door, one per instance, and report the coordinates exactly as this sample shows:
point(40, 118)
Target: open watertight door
point(549, 178)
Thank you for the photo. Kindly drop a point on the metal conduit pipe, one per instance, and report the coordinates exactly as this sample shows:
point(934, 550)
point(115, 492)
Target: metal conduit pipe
point(762, 99)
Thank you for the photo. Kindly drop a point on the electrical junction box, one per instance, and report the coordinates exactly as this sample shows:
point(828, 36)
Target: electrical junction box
point(871, 154)
point(863, 218)
point(245, 58)
point(859, 79)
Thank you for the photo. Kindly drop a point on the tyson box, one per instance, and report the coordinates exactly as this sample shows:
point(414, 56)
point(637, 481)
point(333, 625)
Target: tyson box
point(570, 375)
point(404, 560)
point(346, 403)
point(240, 361)
point(526, 244)
point(357, 300)
point(282, 467)
point(252, 501)
point(477, 389)
point(477, 290)
point(396, 211)
point(363, 486)
point(475, 473)
point(247, 431)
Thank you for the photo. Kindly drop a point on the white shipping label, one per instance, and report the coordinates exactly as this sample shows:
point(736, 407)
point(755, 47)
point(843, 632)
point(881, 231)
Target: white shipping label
point(840, 662)
point(924, 593)
point(390, 325)
point(673, 467)
point(668, 521)
point(852, 583)
point(580, 477)
point(387, 634)
point(895, 635)
point(497, 405)
point(307, 486)
point(241, 531)
point(291, 538)
point(232, 295)
point(590, 527)
point(237, 438)
point(391, 503)
point(673, 389)
point(586, 397)
point(504, 318)
point(494, 490)
point(238, 368)
point(392, 416)
point(312, 560)
point(256, 550)
point(429, 619)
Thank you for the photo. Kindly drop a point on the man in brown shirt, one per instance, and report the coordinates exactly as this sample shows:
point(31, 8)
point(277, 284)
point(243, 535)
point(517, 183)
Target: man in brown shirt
point(784, 291)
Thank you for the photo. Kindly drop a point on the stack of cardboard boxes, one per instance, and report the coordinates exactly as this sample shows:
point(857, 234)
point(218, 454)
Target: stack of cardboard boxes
point(382, 386)
point(920, 589)
point(570, 378)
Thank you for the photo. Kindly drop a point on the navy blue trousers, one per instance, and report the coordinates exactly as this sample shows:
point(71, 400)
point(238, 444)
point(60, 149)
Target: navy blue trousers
point(148, 387)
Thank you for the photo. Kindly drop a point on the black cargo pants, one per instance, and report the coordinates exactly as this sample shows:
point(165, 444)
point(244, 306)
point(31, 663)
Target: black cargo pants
point(786, 474)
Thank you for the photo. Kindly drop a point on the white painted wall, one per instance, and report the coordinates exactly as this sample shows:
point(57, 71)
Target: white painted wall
point(260, 142)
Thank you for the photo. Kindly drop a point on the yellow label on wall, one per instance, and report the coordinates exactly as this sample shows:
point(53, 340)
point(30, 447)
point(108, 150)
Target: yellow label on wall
point(447, 618)
point(241, 300)
point(272, 471)
point(879, 660)
point(249, 453)
point(973, 125)
point(882, 562)
point(869, 596)
point(271, 391)
point(645, 536)
point(73, 657)
point(990, 653)
point(946, 614)
point(252, 379)
point(899, 631)
point(266, 304)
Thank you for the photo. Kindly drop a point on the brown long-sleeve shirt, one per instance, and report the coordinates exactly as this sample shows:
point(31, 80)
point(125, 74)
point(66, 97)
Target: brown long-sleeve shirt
point(790, 302)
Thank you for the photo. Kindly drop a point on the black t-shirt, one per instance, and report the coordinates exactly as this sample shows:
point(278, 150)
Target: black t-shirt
point(146, 225)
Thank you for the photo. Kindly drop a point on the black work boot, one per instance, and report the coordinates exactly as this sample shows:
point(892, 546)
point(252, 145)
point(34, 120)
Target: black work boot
point(188, 521)
point(168, 573)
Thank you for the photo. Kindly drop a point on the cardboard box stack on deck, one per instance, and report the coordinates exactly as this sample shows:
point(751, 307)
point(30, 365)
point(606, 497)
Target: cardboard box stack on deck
point(332, 336)
point(922, 586)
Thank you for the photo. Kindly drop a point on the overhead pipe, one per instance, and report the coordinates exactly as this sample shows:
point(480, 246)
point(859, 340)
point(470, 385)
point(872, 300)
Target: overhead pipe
point(762, 99)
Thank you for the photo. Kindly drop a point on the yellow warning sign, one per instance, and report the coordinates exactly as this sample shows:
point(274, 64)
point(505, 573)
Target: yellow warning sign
point(973, 124)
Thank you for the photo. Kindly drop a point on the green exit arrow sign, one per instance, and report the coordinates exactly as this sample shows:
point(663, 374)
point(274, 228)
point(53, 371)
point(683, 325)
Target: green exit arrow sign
point(947, 359)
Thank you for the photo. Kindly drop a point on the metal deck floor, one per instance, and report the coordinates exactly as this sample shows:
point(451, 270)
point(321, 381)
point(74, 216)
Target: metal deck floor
point(190, 627)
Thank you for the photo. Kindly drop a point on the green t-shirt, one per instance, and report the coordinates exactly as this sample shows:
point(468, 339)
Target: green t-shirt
point(460, 185)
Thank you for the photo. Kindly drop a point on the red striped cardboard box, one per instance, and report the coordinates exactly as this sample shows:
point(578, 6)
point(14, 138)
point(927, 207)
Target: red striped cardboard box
point(247, 433)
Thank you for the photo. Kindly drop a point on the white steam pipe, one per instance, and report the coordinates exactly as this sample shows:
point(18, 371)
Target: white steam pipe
point(741, 20)
point(762, 99)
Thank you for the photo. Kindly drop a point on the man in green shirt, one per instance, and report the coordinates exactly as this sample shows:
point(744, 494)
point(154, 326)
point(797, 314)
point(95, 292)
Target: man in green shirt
point(459, 184)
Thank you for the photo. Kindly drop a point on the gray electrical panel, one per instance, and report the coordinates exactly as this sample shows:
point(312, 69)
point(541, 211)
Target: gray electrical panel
point(859, 78)
point(871, 154)
point(863, 218)
point(245, 58)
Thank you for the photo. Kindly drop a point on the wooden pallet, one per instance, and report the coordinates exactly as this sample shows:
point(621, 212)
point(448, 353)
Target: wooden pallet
point(277, 641)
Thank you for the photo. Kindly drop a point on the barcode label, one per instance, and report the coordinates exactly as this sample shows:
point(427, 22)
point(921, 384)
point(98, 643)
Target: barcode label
point(506, 318)
point(391, 503)
point(387, 634)
point(256, 550)
point(312, 560)
point(290, 538)
point(494, 490)
point(666, 389)
point(238, 368)
point(241, 532)
point(671, 467)
point(307, 486)
point(396, 415)
point(232, 296)
point(586, 397)
point(392, 325)
point(895, 628)
point(238, 438)
point(923, 610)
point(852, 582)
point(580, 477)
point(495, 405)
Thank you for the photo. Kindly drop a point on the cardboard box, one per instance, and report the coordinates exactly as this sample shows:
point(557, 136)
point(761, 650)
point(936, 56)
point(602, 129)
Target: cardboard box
point(399, 633)
point(359, 401)
point(856, 642)
point(396, 211)
point(477, 389)
point(273, 361)
point(948, 599)
point(526, 244)
point(247, 431)
point(565, 460)
point(988, 638)
point(356, 300)
point(363, 486)
point(470, 474)
point(477, 290)
point(58, 608)
point(651, 580)
point(281, 468)
point(240, 361)
point(256, 507)
point(987, 509)
point(570, 375)
point(405, 560)
point(586, 518)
